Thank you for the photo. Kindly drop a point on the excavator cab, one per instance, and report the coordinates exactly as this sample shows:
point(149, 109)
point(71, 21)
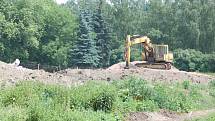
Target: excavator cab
point(162, 54)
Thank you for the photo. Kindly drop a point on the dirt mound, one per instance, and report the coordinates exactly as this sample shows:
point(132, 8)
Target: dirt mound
point(165, 115)
point(159, 75)
point(11, 74)
point(131, 66)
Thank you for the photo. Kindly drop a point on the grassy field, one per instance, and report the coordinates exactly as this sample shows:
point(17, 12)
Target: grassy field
point(95, 101)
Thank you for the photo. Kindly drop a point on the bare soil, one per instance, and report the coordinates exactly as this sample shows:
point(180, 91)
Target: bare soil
point(10, 74)
point(164, 115)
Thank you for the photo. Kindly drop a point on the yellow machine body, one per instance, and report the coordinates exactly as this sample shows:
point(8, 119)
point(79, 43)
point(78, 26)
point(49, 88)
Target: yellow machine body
point(155, 56)
point(162, 53)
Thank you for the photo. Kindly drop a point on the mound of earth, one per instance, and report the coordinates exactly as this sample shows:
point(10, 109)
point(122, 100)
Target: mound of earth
point(117, 72)
point(131, 66)
point(11, 74)
point(165, 115)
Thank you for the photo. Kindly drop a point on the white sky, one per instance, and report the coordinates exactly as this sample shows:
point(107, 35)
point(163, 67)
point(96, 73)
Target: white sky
point(61, 1)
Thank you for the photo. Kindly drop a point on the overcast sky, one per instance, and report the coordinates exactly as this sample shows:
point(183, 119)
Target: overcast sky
point(61, 1)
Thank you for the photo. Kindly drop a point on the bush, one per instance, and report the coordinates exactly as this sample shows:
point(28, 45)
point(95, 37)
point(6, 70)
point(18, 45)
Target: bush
point(192, 60)
point(212, 88)
point(165, 97)
point(42, 113)
point(49, 102)
point(18, 95)
point(212, 83)
point(172, 98)
point(94, 95)
point(129, 105)
point(186, 84)
point(212, 92)
point(25, 93)
point(11, 113)
point(148, 105)
point(137, 88)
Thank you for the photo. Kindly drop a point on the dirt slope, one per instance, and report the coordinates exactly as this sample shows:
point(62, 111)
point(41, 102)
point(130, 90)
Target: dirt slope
point(117, 72)
point(168, 116)
point(11, 74)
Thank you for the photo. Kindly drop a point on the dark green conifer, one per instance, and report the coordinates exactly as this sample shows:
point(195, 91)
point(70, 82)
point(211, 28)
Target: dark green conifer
point(84, 53)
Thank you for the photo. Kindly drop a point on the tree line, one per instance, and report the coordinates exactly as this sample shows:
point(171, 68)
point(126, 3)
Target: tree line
point(91, 34)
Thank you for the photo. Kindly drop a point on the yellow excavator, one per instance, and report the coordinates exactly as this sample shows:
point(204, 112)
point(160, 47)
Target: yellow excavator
point(154, 56)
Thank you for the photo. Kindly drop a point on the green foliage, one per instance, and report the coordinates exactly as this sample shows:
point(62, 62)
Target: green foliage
point(212, 83)
point(172, 99)
point(38, 31)
point(124, 106)
point(148, 105)
point(93, 95)
point(85, 53)
point(186, 84)
point(103, 38)
point(192, 60)
point(11, 113)
point(33, 101)
point(212, 88)
point(165, 97)
point(45, 32)
point(29, 92)
point(137, 88)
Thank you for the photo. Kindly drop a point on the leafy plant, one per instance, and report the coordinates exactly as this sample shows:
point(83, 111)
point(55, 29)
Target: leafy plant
point(186, 84)
point(148, 105)
point(11, 113)
point(98, 96)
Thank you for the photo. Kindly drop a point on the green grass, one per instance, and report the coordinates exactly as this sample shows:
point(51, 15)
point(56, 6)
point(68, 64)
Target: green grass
point(94, 101)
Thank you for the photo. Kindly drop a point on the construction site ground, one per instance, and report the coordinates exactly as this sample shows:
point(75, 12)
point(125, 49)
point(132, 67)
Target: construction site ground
point(10, 75)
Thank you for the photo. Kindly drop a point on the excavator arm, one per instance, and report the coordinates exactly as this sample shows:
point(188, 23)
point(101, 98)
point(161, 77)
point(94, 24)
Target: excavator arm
point(132, 40)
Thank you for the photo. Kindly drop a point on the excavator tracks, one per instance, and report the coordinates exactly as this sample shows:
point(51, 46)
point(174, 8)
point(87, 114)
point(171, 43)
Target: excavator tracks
point(163, 66)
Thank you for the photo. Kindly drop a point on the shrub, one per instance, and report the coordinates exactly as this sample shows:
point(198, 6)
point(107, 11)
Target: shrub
point(41, 113)
point(18, 95)
point(212, 88)
point(186, 84)
point(212, 92)
point(137, 88)
point(212, 83)
point(192, 60)
point(11, 113)
point(25, 93)
point(129, 105)
point(148, 105)
point(163, 96)
point(94, 95)
point(194, 93)
point(172, 99)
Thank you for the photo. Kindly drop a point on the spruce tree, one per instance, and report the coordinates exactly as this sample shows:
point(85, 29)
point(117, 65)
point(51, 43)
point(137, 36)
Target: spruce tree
point(103, 39)
point(84, 53)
